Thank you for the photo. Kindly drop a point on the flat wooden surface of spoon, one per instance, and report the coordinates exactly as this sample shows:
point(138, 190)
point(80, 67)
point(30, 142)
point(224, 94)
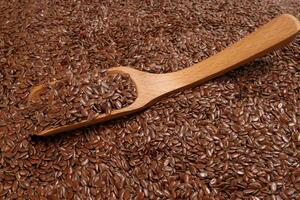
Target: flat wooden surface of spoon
point(152, 87)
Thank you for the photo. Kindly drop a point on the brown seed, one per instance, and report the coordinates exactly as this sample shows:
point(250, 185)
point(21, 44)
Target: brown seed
point(273, 187)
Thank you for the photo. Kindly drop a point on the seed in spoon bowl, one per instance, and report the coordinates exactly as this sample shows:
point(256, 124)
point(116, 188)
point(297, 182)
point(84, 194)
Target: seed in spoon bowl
point(75, 98)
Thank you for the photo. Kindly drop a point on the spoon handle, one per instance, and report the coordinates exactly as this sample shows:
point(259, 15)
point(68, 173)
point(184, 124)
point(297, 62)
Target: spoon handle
point(273, 35)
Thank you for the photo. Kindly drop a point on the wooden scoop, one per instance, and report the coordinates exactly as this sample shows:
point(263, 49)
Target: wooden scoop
point(152, 87)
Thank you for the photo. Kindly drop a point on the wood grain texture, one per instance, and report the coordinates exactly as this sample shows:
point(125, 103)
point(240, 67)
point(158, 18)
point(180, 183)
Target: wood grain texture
point(152, 87)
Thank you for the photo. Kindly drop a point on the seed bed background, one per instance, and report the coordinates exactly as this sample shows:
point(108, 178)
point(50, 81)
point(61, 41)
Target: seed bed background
point(234, 137)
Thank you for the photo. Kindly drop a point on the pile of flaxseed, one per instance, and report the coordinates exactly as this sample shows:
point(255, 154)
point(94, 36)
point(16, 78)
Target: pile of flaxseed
point(235, 137)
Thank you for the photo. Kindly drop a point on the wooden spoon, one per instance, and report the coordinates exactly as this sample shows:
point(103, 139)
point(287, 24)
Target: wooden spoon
point(152, 87)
